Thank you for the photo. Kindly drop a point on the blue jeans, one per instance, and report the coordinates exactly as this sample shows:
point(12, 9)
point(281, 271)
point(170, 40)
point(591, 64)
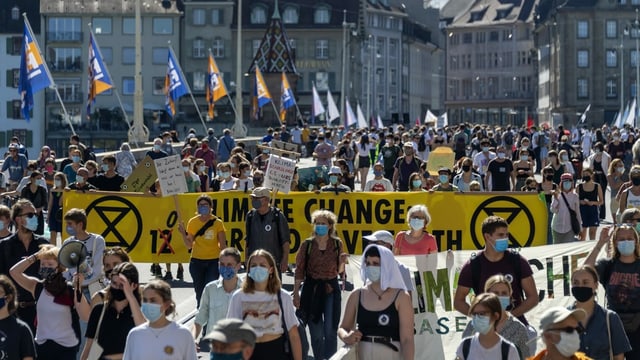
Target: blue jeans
point(324, 338)
point(203, 272)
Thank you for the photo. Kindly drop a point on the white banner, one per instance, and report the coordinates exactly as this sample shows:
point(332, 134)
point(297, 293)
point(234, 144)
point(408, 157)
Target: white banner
point(439, 326)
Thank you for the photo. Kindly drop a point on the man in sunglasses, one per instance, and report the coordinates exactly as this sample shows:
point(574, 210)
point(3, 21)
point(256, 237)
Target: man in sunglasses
point(561, 330)
point(16, 164)
point(22, 244)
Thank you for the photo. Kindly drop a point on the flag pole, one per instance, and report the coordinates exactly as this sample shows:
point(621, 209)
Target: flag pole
point(115, 89)
point(186, 83)
point(46, 69)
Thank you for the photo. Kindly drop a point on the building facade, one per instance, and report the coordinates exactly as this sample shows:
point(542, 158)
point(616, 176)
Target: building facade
point(12, 122)
point(588, 52)
point(491, 64)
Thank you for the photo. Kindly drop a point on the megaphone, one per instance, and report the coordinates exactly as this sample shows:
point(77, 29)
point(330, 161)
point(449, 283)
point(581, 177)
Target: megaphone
point(71, 255)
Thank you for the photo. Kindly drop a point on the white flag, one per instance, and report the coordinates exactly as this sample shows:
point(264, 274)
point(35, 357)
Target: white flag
point(362, 122)
point(380, 124)
point(333, 109)
point(429, 117)
point(443, 121)
point(351, 117)
point(584, 114)
point(631, 117)
point(318, 108)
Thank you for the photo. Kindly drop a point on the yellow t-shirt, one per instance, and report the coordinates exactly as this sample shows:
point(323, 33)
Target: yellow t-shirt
point(205, 247)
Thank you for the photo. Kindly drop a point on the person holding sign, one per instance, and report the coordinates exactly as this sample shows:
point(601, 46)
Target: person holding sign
point(205, 235)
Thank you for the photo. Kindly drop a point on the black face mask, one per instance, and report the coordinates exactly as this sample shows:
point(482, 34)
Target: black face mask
point(586, 178)
point(548, 177)
point(635, 181)
point(466, 168)
point(582, 293)
point(117, 294)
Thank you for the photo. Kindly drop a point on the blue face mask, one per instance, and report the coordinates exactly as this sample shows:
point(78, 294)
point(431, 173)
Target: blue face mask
point(220, 356)
point(501, 245)
point(70, 230)
point(333, 179)
point(105, 167)
point(224, 174)
point(227, 272)
point(321, 229)
point(203, 210)
point(378, 173)
point(566, 185)
point(505, 301)
point(32, 223)
point(2, 226)
point(157, 147)
point(626, 247)
point(259, 274)
point(416, 183)
point(373, 273)
point(75, 158)
point(482, 324)
point(443, 178)
point(151, 311)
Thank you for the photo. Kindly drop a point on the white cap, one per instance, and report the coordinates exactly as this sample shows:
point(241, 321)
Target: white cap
point(380, 235)
point(335, 170)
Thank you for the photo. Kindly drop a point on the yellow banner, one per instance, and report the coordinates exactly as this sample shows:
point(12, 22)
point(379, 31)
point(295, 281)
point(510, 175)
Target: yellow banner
point(147, 226)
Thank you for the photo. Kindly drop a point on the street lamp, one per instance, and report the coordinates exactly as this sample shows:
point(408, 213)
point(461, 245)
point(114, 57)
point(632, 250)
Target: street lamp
point(370, 64)
point(239, 130)
point(636, 26)
point(345, 25)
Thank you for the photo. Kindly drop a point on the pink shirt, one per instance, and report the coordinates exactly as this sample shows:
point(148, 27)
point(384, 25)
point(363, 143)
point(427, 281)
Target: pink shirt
point(426, 245)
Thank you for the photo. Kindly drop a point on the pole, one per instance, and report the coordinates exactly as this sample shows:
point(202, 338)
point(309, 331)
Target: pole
point(344, 64)
point(622, 73)
point(369, 79)
point(637, 28)
point(138, 133)
point(239, 130)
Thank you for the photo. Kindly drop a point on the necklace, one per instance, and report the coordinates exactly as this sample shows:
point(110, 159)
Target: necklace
point(157, 333)
point(380, 294)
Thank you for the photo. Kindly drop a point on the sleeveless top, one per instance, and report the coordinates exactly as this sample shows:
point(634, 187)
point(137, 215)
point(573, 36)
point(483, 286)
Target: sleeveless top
point(385, 322)
point(588, 195)
point(525, 175)
point(633, 201)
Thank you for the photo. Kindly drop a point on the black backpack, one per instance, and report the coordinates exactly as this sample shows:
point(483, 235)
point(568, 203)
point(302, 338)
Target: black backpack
point(89, 154)
point(508, 138)
point(461, 144)
point(504, 348)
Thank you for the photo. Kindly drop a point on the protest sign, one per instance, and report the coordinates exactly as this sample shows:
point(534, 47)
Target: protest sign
point(171, 175)
point(279, 173)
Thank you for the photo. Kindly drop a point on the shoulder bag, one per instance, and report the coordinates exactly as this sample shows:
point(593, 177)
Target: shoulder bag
point(575, 224)
point(96, 350)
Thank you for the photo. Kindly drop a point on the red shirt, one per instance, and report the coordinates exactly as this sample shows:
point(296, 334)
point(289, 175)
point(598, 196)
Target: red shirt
point(426, 245)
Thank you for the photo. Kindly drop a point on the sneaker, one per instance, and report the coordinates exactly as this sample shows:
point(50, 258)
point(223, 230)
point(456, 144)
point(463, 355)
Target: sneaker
point(180, 274)
point(168, 276)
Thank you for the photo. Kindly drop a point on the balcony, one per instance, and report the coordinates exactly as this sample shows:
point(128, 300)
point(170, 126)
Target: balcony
point(64, 36)
point(72, 97)
point(66, 66)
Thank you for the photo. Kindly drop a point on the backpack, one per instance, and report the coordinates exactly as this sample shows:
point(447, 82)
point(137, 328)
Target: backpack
point(508, 138)
point(276, 220)
point(476, 269)
point(504, 348)
point(89, 154)
point(422, 144)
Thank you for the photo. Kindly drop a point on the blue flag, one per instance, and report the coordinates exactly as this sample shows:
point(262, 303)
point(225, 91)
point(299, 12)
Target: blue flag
point(175, 84)
point(98, 79)
point(34, 75)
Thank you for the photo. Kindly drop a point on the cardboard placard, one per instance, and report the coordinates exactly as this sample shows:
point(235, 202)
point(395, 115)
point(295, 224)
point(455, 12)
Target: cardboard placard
point(142, 177)
point(279, 173)
point(440, 157)
point(283, 149)
point(171, 175)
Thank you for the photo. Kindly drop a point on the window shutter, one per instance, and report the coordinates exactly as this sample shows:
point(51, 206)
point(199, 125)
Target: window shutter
point(312, 80)
point(312, 49)
point(332, 80)
point(10, 46)
point(29, 139)
point(10, 109)
point(9, 82)
point(248, 49)
point(3, 139)
point(220, 17)
point(331, 48)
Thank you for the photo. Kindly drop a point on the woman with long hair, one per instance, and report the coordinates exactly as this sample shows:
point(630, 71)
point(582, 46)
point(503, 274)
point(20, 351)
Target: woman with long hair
point(114, 318)
point(264, 305)
point(364, 161)
point(17, 337)
point(58, 331)
point(622, 263)
point(604, 333)
point(378, 317)
point(318, 263)
point(509, 327)
point(159, 337)
point(487, 343)
point(591, 197)
point(111, 258)
point(564, 199)
point(615, 179)
point(54, 206)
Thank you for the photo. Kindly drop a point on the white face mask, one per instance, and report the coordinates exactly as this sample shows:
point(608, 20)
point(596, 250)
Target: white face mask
point(569, 343)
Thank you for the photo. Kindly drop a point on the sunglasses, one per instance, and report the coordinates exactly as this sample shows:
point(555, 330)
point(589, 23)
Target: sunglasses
point(29, 215)
point(569, 329)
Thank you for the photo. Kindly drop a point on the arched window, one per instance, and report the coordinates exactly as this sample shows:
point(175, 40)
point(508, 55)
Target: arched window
point(258, 15)
point(321, 15)
point(290, 15)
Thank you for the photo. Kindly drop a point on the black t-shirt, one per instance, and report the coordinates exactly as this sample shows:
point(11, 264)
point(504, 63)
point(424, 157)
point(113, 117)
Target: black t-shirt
point(12, 251)
point(113, 330)
point(500, 174)
point(108, 183)
point(16, 339)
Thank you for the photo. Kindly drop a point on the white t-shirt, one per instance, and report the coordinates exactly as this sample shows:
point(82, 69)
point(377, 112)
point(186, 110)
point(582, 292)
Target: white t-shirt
point(378, 185)
point(95, 245)
point(173, 342)
point(228, 185)
point(262, 311)
point(296, 135)
point(478, 352)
